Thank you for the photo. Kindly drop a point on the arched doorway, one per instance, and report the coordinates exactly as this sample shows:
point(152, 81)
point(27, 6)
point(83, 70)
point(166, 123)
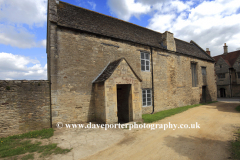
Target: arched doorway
point(222, 92)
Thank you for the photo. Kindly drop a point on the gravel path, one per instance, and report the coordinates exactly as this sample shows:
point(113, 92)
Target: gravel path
point(210, 142)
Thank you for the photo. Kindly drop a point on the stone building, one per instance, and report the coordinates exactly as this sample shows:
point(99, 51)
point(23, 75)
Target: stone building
point(107, 70)
point(227, 68)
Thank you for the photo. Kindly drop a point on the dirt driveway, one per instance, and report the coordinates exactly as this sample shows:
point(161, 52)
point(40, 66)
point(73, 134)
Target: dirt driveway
point(209, 142)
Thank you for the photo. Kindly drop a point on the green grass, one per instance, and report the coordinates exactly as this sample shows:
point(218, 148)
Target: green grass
point(236, 147)
point(27, 157)
point(238, 108)
point(15, 145)
point(149, 118)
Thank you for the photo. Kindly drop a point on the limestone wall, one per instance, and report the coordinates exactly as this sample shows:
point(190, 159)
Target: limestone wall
point(99, 97)
point(81, 57)
point(77, 58)
point(173, 81)
point(24, 106)
point(123, 75)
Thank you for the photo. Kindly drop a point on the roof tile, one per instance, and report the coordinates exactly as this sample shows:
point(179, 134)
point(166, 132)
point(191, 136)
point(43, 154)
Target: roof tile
point(79, 18)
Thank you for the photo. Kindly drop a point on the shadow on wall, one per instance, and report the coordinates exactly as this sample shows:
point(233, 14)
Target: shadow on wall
point(205, 96)
point(91, 111)
point(197, 148)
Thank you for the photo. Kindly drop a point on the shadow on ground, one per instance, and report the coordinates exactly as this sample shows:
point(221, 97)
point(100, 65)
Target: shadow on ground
point(224, 106)
point(197, 148)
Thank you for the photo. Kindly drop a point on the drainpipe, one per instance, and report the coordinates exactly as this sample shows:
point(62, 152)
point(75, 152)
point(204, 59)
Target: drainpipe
point(152, 81)
point(230, 82)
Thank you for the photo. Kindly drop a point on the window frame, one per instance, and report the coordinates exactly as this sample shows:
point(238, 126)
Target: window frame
point(205, 70)
point(145, 60)
point(220, 75)
point(147, 97)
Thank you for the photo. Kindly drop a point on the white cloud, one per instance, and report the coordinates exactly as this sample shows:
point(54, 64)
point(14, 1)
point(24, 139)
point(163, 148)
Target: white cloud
point(14, 14)
point(18, 37)
point(208, 23)
point(30, 12)
point(16, 67)
point(125, 9)
point(43, 43)
point(92, 4)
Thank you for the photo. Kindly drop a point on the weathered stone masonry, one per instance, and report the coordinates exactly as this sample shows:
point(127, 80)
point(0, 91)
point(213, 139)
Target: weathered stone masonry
point(81, 47)
point(24, 106)
point(94, 74)
point(227, 68)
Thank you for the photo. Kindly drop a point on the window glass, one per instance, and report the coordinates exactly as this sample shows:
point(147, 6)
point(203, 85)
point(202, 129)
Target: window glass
point(204, 71)
point(147, 56)
point(221, 75)
point(146, 97)
point(194, 74)
point(145, 62)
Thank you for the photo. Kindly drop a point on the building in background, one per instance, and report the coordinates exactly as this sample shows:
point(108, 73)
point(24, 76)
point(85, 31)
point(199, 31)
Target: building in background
point(227, 69)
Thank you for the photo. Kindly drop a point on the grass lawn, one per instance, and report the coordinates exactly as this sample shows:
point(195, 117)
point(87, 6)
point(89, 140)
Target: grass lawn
point(236, 143)
point(149, 118)
point(21, 144)
point(236, 147)
point(238, 108)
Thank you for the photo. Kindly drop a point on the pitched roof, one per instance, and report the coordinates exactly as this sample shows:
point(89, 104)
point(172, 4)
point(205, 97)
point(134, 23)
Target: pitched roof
point(79, 18)
point(230, 57)
point(109, 69)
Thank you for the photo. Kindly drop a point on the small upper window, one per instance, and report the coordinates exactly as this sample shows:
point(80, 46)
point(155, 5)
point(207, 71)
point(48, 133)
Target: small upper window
point(221, 75)
point(145, 62)
point(204, 72)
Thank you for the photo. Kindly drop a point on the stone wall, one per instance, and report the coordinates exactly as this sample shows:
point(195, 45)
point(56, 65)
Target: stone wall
point(80, 59)
point(24, 106)
point(223, 70)
point(77, 58)
point(99, 97)
point(123, 75)
point(235, 90)
point(173, 81)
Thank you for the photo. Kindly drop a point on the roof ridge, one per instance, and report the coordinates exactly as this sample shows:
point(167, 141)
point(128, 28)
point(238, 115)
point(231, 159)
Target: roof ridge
point(201, 49)
point(111, 17)
point(109, 70)
point(183, 40)
point(227, 53)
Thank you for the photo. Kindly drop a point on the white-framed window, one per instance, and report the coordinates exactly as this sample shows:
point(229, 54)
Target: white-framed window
point(146, 97)
point(145, 61)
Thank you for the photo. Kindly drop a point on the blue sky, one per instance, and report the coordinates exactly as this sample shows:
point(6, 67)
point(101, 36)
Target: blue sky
point(210, 23)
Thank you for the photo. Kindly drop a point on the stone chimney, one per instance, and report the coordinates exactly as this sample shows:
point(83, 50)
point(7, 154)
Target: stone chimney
point(208, 52)
point(168, 41)
point(225, 49)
